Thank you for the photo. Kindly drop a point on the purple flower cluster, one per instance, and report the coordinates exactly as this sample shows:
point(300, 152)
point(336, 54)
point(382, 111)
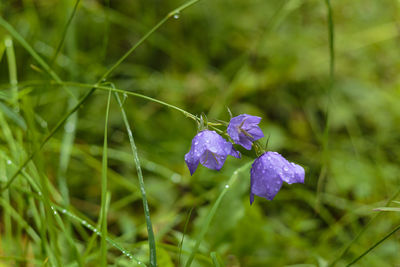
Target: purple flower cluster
point(268, 171)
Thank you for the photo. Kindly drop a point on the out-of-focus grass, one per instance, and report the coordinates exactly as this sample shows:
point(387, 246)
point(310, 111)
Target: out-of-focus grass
point(267, 58)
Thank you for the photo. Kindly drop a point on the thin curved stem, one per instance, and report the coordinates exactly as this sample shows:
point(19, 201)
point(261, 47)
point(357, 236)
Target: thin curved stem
point(374, 246)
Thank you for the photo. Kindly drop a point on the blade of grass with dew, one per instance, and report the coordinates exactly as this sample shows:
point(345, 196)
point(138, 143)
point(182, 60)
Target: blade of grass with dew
point(92, 90)
point(214, 208)
point(103, 212)
point(78, 219)
point(94, 230)
point(152, 242)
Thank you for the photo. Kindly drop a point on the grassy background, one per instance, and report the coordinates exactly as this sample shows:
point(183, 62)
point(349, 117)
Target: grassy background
point(263, 57)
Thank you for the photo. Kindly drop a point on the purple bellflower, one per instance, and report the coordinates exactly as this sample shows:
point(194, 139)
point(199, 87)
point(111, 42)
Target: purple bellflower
point(210, 150)
point(269, 171)
point(244, 130)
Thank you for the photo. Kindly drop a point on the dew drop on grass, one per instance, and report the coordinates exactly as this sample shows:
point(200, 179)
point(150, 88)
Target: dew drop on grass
point(176, 15)
point(9, 162)
point(227, 186)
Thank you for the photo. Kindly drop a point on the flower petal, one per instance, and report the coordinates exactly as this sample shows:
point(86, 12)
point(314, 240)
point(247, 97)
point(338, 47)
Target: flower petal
point(256, 132)
point(265, 182)
point(209, 149)
point(192, 162)
point(269, 171)
point(244, 130)
point(212, 160)
point(249, 119)
point(235, 153)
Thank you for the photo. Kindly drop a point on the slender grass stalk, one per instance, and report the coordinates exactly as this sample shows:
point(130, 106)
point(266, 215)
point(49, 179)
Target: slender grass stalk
point(106, 34)
point(116, 90)
point(6, 215)
point(183, 235)
point(363, 230)
point(103, 213)
point(374, 246)
point(206, 224)
point(331, 31)
point(12, 69)
point(65, 31)
point(325, 136)
point(152, 242)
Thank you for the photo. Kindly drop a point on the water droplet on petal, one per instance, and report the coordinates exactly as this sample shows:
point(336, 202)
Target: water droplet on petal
point(286, 169)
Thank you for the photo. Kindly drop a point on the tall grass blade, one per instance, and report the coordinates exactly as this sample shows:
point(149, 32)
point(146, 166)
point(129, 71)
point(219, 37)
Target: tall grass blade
point(152, 242)
point(103, 214)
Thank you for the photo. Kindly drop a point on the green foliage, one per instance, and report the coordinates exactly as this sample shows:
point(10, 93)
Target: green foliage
point(328, 101)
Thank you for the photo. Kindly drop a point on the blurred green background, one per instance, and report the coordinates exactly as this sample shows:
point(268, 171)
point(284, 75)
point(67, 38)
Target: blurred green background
point(268, 58)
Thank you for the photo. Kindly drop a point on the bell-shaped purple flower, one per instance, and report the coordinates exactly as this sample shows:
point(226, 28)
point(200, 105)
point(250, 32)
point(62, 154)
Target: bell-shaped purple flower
point(210, 150)
point(244, 130)
point(269, 171)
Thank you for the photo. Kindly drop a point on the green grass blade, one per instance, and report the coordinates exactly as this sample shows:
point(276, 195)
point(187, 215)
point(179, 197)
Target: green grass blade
point(103, 213)
point(65, 31)
point(212, 212)
point(374, 246)
point(96, 231)
point(331, 39)
point(152, 242)
point(183, 235)
point(12, 69)
point(363, 230)
point(325, 137)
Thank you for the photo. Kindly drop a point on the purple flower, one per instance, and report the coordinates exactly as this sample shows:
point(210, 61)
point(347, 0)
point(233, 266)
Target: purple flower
point(269, 171)
point(209, 149)
point(244, 130)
